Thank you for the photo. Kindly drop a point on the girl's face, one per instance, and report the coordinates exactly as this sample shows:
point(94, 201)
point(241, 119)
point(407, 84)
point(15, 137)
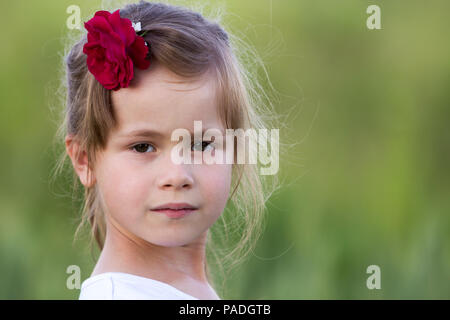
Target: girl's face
point(135, 172)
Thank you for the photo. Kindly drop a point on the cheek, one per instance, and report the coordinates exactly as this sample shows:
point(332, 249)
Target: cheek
point(121, 186)
point(215, 182)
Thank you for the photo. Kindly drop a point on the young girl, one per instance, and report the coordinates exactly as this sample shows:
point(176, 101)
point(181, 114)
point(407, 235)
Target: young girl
point(140, 73)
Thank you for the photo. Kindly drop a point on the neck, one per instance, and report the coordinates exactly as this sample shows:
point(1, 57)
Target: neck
point(124, 252)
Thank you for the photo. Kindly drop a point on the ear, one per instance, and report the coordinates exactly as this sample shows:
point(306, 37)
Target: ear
point(79, 161)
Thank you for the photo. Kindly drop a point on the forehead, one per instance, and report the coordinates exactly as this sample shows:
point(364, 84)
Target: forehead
point(162, 100)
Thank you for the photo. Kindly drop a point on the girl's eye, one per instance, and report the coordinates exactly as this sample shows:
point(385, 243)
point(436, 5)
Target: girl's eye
point(202, 146)
point(143, 148)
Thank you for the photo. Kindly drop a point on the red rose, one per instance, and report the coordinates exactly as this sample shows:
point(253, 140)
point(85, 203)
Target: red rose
point(113, 47)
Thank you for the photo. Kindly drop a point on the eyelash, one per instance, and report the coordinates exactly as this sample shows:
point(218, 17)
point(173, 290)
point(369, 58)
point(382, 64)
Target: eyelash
point(209, 143)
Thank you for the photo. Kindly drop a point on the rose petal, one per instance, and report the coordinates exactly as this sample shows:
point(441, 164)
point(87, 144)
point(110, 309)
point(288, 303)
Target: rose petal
point(123, 27)
point(138, 52)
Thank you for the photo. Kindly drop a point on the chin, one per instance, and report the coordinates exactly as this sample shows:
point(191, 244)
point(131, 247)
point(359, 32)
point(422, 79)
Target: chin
point(174, 239)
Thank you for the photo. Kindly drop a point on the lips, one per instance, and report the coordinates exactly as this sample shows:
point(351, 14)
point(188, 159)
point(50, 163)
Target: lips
point(175, 210)
point(175, 206)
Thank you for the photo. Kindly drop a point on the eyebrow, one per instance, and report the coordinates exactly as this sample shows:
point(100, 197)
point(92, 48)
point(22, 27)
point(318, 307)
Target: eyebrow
point(148, 133)
point(141, 133)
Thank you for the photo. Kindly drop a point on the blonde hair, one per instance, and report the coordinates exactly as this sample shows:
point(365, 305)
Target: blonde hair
point(189, 45)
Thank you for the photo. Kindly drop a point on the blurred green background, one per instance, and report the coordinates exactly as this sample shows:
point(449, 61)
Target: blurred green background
point(367, 181)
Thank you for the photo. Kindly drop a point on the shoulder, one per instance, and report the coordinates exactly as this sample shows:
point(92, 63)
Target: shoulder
point(98, 287)
point(123, 286)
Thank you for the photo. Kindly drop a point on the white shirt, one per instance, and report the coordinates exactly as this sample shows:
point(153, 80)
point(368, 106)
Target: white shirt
point(126, 286)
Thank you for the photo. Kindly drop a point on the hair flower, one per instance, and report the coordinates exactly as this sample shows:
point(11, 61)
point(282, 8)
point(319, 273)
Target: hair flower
point(114, 48)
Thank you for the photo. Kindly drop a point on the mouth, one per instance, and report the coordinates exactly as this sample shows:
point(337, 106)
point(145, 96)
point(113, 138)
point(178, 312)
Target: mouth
point(175, 210)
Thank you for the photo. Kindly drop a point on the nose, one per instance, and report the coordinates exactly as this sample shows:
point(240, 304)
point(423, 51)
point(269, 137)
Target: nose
point(175, 176)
